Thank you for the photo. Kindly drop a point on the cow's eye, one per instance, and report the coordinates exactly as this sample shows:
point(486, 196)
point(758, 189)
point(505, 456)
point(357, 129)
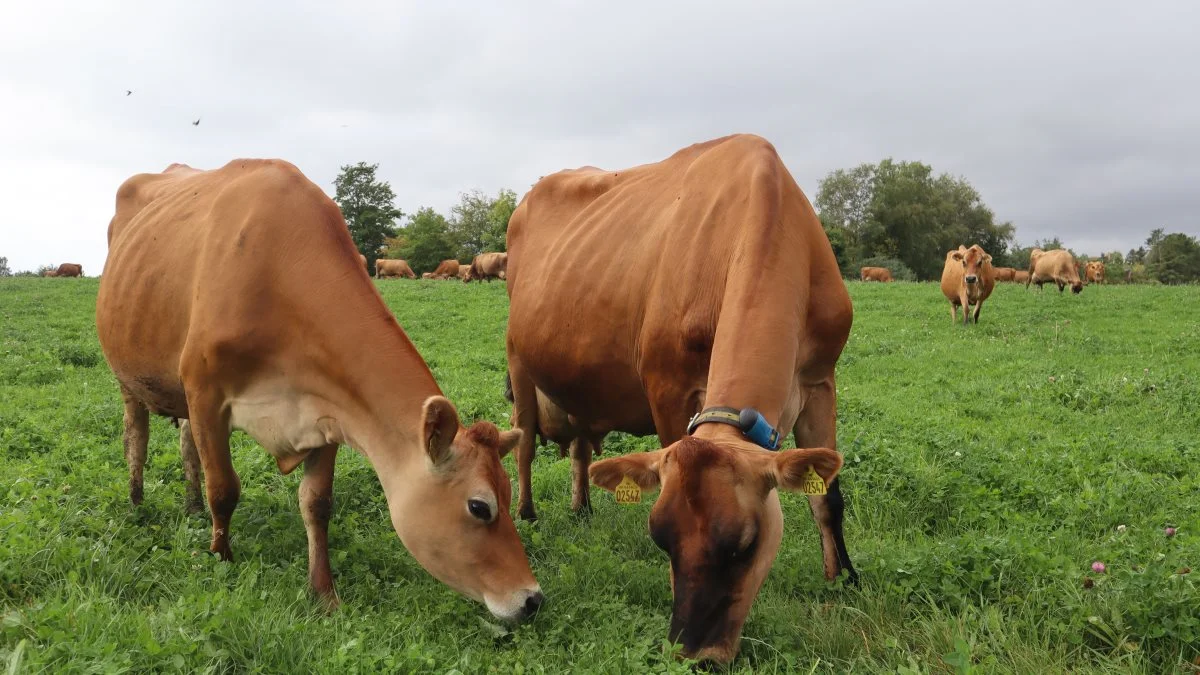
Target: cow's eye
point(480, 509)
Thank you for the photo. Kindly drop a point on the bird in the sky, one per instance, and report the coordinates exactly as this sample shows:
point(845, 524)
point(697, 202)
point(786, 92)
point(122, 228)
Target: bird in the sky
point(128, 92)
point(196, 123)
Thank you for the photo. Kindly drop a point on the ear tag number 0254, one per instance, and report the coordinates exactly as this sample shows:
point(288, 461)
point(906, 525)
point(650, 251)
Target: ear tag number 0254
point(628, 492)
point(813, 483)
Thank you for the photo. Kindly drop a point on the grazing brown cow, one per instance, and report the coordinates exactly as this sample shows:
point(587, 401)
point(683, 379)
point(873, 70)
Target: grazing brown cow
point(487, 266)
point(385, 269)
point(464, 272)
point(202, 317)
point(881, 274)
point(727, 294)
point(447, 269)
point(1094, 272)
point(1021, 277)
point(1004, 273)
point(967, 280)
point(1057, 266)
point(66, 270)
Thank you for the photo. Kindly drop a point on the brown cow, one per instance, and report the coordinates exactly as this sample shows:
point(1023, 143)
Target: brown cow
point(447, 269)
point(66, 270)
point(201, 316)
point(881, 274)
point(487, 266)
point(1057, 266)
point(967, 280)
point(1004, 273)
point(1021, 277)
point(727, 294)
point(1094, 272)
point(464, 272)
point(385, 269)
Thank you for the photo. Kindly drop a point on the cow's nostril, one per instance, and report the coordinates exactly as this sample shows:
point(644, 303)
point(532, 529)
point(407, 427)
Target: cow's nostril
point(533, 603)
point(971, 279)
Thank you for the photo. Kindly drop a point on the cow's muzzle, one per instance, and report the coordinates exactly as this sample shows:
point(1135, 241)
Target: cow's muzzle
point(971, 278)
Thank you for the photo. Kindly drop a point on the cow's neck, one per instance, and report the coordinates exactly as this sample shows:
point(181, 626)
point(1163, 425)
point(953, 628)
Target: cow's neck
point(382, 385)
point(755, 349)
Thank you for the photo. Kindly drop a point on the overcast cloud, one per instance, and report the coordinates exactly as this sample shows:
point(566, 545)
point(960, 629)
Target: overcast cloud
point(1081, 122)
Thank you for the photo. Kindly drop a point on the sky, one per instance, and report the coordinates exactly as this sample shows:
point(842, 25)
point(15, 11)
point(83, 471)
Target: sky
point(1077, 120)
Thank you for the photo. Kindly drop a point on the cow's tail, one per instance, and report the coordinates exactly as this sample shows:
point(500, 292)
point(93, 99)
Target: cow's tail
point(508, 393)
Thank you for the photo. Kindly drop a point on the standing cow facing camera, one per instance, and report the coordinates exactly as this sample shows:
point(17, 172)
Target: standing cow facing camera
point(967, 280)
point(728, 298)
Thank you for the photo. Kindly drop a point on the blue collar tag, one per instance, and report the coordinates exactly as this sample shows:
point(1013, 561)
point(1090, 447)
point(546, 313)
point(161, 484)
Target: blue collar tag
point(751, 422)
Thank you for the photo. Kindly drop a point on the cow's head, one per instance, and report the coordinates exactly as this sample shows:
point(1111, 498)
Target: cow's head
point(452, 513)
point(717, 516)
point(973, 261)
point(1097, 270)
point(469, 274)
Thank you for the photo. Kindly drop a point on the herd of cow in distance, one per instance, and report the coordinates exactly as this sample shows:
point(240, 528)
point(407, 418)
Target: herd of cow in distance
point(719, 332)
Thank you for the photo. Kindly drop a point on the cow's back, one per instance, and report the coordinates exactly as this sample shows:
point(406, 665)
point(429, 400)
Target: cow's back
point(654, 252)
point(222, 230)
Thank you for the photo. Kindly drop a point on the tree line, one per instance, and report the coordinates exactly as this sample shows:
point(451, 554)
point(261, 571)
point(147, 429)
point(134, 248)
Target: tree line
point(476, 224)
point(902, 216)
point(893, 214)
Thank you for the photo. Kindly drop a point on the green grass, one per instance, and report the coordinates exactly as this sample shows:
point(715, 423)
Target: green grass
point(986, 469)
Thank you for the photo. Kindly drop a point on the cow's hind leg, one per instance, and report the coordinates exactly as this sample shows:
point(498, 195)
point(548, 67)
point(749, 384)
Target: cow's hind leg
point(191, 468)
point(316, 506)
point(525, 418)
point(210, 431)
point(136, 437)
point(815, 428)
point(581, 459)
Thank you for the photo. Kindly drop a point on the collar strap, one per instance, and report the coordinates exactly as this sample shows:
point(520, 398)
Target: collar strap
point(748, 420)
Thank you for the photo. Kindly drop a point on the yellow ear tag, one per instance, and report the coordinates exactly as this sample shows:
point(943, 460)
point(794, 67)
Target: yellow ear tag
point(813, 483)
point(628, 492)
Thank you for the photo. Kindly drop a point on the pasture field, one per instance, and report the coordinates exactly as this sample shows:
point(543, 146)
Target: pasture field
point(987, 468)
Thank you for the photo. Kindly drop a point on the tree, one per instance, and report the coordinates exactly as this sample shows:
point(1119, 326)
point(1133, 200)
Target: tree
point(4, 270)
point(501, 212)
point(1173, 258)
point(427, 240)
point(479, 223)
point(368, 205)
point(902, 210)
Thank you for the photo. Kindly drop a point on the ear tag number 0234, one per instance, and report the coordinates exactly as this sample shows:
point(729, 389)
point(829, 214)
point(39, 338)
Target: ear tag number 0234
point(813, 483)
point(628, 492)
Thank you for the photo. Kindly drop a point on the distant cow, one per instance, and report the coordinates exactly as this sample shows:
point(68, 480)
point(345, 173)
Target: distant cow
point(1021, 277)
point(447, 269)
point(464, 273)
point(1057, 266)
point(1004, 273)
point(66, 270)
point(487, 266)
point(427, 275)
point(1094, 272)
point(385, 269)
point(967, 280)
point(881, 274)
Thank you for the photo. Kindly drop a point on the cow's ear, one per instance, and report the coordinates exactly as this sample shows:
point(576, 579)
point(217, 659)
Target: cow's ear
point(789, 469)
point(509, 440)
point(957, 255)
point(987, 258)
point(439, 426)
point(640, 467)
